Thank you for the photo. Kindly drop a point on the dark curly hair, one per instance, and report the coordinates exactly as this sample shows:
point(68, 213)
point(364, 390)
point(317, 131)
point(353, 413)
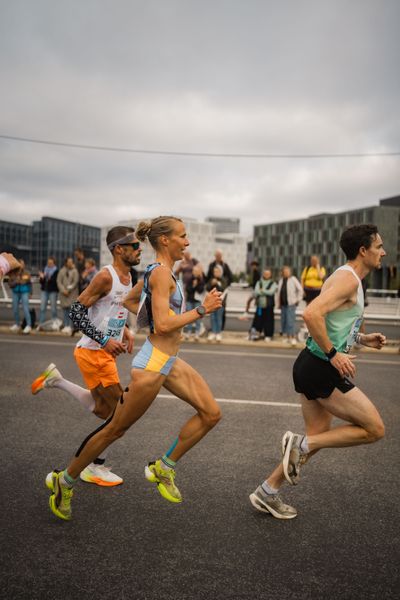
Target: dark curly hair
point(355, 237)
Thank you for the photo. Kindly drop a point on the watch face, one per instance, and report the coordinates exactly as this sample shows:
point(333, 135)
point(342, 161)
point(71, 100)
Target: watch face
point(201, 310)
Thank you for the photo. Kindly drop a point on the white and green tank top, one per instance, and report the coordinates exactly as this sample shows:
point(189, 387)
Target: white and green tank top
point(342, 325)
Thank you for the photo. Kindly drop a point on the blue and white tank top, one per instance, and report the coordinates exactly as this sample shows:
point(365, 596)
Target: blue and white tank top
point(145, 314)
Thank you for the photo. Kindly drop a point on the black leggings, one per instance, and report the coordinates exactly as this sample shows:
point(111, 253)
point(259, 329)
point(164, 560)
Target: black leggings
point(264, 321)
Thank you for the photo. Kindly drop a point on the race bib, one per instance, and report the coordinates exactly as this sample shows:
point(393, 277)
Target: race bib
point(115, 328)
point(351, 338)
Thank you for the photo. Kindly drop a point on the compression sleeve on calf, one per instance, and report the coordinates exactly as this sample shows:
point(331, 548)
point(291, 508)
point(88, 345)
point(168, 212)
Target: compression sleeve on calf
point(79, 317)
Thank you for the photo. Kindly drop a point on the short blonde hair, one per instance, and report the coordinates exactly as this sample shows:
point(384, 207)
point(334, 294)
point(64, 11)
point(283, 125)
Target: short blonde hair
point(155, 228)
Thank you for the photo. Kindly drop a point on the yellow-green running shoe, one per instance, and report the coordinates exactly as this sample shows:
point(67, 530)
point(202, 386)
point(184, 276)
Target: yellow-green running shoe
point(60, 499)
point(164, 478)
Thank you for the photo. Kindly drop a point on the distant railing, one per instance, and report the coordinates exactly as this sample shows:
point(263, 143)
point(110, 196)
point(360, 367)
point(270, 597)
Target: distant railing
point(386, 301)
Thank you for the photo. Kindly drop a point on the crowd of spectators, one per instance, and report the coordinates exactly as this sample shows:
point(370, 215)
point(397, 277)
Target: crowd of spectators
point(64, 285)
point(284, 294)
point(61, 285)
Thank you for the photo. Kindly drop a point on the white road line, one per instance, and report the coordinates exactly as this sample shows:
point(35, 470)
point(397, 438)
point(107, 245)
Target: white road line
point(232, 401)
point(244, 354)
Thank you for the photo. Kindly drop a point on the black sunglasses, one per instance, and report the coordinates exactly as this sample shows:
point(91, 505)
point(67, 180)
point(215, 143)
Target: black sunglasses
point(134, 245)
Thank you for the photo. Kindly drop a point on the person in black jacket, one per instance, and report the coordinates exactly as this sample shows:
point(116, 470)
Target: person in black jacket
point(226, 275)
point(48, 285)
point(194, 289)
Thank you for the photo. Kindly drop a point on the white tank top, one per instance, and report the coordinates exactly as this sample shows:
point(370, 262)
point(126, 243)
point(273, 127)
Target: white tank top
point(108, 314)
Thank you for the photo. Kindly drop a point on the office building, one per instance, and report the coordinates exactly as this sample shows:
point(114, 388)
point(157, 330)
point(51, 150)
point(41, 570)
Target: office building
point(203, 243)
point(225, 224)
point(293, 242)
point(17, 239)
point(59, 238)
point(48, 237)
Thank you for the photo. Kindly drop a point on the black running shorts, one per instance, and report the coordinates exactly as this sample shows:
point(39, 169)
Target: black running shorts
point(317, 378)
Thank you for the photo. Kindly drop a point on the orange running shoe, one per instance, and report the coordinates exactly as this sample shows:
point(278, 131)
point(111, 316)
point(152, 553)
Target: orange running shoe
point(46, 379)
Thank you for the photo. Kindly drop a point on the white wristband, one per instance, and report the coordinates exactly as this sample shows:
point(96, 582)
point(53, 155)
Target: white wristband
point(358, 338)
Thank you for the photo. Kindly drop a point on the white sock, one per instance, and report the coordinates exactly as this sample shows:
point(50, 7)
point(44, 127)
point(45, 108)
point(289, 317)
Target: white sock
point(76, 391)
point(304, 445)
point(268, 489)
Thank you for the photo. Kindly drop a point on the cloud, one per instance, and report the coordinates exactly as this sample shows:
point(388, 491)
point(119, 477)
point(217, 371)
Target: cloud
point(222, 76)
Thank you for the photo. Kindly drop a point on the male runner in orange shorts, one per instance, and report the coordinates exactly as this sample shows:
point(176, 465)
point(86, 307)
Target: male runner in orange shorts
point(100, 315)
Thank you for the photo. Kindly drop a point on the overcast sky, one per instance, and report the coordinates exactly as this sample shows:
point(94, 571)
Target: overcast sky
point(216, 76)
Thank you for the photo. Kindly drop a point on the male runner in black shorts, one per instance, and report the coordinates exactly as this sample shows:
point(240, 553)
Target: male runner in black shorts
point(322, 370)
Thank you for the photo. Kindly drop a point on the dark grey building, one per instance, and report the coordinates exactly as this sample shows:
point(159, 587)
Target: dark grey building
point(17, 239)
point(48, 237)
point(293, 242)
point(59, 238)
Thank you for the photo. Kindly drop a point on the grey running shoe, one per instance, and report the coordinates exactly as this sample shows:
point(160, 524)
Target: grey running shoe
point(273, 504)
point(293, 458)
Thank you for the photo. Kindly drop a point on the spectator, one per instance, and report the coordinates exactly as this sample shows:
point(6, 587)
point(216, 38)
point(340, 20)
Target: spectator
point(193, 294)
point(288, 295)
point(68, 286)
point(255, 274)
point(185, 268)
point(80, 265)
point(218, 282)
point(49, 291)
point(21, 287)
point(264, 293)
point(312, 279)
point(88, 273)
point(226, 275)
point(254, 277)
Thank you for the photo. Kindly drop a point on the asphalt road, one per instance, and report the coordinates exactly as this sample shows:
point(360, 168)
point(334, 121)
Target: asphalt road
point(129, 543)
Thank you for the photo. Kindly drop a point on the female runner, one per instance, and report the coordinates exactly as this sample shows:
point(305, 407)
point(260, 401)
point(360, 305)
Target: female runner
point(156, 365)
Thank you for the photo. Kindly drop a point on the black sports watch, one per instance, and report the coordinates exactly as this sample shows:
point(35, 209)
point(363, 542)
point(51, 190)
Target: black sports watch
point(331, 353)
point(201, 310)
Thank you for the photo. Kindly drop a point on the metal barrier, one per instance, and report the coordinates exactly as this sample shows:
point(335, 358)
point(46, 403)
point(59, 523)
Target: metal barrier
point(236, 312)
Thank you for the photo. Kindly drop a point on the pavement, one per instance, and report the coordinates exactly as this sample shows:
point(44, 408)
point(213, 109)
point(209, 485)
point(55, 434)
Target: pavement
point(129, 543)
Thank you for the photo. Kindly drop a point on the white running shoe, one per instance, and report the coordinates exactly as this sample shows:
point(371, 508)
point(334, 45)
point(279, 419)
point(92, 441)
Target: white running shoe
point(100, 475)
point(46, 379)
point(293, 457)
point(272, 503)
point(27, 329)
point(67, 330)
point(218, 337)
point(267, 339)
point(211, 337)
point(14, 328)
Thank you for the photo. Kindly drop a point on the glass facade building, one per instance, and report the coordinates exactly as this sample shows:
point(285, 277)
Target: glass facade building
point(293, 242)
point(17, 239)
point(49, 237)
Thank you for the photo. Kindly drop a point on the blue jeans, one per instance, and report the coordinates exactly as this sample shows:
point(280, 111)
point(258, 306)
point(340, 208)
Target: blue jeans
point(22, 297)
point(288, 319)
point(44, 299)
point(216, 320)
point(66, 320)
point(192, 327)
